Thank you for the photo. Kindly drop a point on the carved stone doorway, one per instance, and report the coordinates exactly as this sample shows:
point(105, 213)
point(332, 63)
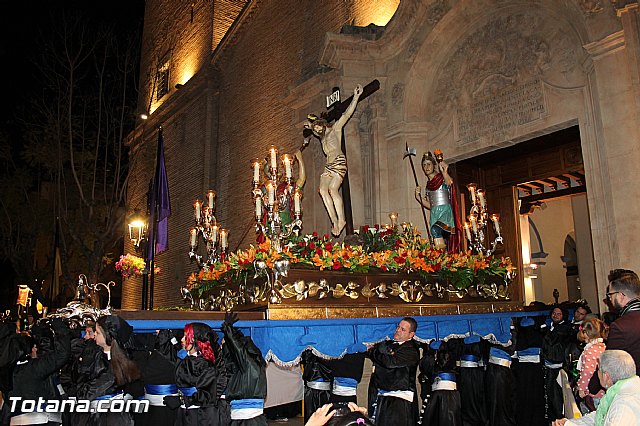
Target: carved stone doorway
point(524, 178)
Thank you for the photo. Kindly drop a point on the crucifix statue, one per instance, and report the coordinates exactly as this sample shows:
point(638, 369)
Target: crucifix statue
point(335, 171)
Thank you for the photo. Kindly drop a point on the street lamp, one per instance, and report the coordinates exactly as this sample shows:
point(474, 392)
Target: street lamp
point(138, 230)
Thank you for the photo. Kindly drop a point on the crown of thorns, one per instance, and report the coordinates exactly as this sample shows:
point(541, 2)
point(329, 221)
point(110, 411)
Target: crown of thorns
point(313, 119)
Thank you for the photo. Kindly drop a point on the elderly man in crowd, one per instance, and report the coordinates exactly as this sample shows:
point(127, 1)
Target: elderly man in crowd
point(620, 405)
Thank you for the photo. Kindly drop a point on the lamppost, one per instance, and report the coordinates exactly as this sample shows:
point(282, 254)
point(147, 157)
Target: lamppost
point(138, 228)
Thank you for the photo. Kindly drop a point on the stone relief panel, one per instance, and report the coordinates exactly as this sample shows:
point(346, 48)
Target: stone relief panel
point(493, 81)
point(397, 94)
point(590, 7)
point(437, 10)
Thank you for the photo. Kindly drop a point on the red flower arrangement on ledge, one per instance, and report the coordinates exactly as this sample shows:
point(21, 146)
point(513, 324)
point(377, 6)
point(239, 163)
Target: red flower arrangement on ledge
point(130, 265)
point(399, 249)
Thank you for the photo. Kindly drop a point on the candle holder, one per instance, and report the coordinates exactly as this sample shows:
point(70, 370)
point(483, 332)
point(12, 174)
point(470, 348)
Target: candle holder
point(478, 221)
point(78, 312)
point(277, 201)
point(215, 238)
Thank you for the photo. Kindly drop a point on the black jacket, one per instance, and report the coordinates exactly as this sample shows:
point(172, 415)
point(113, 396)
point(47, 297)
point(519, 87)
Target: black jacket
point(555, 343)
point(245, 365)
point(34, 377)
point(395, 365)
point(315, 368)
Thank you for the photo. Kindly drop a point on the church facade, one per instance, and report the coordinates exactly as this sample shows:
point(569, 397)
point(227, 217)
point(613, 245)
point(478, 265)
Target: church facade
point(227, 79)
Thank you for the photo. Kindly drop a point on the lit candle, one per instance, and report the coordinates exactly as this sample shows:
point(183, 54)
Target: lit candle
point(394, 218)
point(197, 206)
point(194, 236)
point(474, 222)
point(258, 207)
point(274, 153)
point(256, 170)
point(467, 230)
point(472, 191)
point(271, 193)
point(287, 166)
point(214, 234)
point(481, 198)
point(212, 196)
point(223, 238)
point(296, 202)
point(495, 218)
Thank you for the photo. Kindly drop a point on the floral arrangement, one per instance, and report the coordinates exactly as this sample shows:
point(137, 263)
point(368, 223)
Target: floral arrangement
point(130, 265)
point(386, 249)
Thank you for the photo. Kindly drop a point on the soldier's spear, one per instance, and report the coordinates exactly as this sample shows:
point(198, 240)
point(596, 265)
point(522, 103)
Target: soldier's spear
point(412, 153)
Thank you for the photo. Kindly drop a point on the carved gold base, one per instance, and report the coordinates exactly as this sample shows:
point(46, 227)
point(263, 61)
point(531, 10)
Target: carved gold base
point(304, 293)
point(288, 312)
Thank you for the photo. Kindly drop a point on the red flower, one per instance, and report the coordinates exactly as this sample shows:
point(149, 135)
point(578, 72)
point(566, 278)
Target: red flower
point(437, 267)
point(329, 246)
point(404, 254)
point(319, 251)
point(301, 244)
point(312, 246)
point(399, 259)
point(365, 228)
point(377, 226)
point(384, 268)
point(336, 265)
point(325, 237)
point(315, 234)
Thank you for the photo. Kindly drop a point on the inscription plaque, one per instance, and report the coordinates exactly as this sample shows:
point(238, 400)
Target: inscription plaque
point(496, 113)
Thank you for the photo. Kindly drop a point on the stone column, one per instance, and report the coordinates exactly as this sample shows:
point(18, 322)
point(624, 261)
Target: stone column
point(610, 151)
point(629, 16)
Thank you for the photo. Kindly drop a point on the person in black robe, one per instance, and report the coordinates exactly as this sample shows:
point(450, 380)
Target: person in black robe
point(425, 368)
point(443, 407)
point(70, 378)
point(317, 382)
point(35, 375)
point(246, 367)
point(500, 387)
point(471, 383)
point(106, 373)
point(529, 374)
point(555, 345)
point(157, 367)
point(12, 347)
point(392, 389)
point(347, 373)
point(201, 380)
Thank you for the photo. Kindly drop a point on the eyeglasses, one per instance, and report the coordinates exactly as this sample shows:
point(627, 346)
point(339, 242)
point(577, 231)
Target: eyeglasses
point(612, 293)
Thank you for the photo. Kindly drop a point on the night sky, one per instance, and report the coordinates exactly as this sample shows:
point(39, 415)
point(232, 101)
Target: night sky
point(24, 22)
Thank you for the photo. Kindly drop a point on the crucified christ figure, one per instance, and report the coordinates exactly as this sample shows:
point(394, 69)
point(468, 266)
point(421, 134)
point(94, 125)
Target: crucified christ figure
point(336, 168)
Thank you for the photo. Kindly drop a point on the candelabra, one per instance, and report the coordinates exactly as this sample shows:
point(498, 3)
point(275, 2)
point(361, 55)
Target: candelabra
point(78, 312)
point(206, 227)
point(272, 197)
point(478, 223)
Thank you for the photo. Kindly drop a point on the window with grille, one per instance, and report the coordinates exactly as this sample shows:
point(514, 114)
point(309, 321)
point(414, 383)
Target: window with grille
point(162, 87)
